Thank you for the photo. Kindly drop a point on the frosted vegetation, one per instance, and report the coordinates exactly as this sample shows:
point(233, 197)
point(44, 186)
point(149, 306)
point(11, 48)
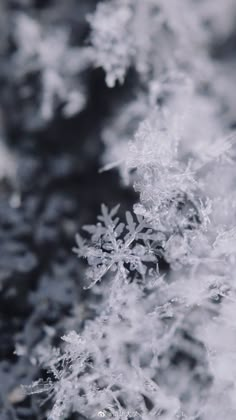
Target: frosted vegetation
point(173, 144)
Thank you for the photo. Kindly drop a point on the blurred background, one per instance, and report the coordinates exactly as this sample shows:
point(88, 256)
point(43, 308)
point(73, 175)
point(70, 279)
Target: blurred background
point(56, 118)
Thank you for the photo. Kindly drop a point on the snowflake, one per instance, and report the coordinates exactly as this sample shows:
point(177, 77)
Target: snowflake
point(117, 247)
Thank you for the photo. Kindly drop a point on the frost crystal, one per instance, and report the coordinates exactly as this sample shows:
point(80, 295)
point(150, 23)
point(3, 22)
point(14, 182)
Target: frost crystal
point(160, 343)
point(117, 247)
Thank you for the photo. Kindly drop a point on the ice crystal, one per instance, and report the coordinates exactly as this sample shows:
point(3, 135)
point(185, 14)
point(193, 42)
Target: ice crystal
point(159, 345)
point(115, 246)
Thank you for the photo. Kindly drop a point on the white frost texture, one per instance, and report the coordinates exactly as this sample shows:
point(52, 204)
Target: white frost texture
point(162, 342)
